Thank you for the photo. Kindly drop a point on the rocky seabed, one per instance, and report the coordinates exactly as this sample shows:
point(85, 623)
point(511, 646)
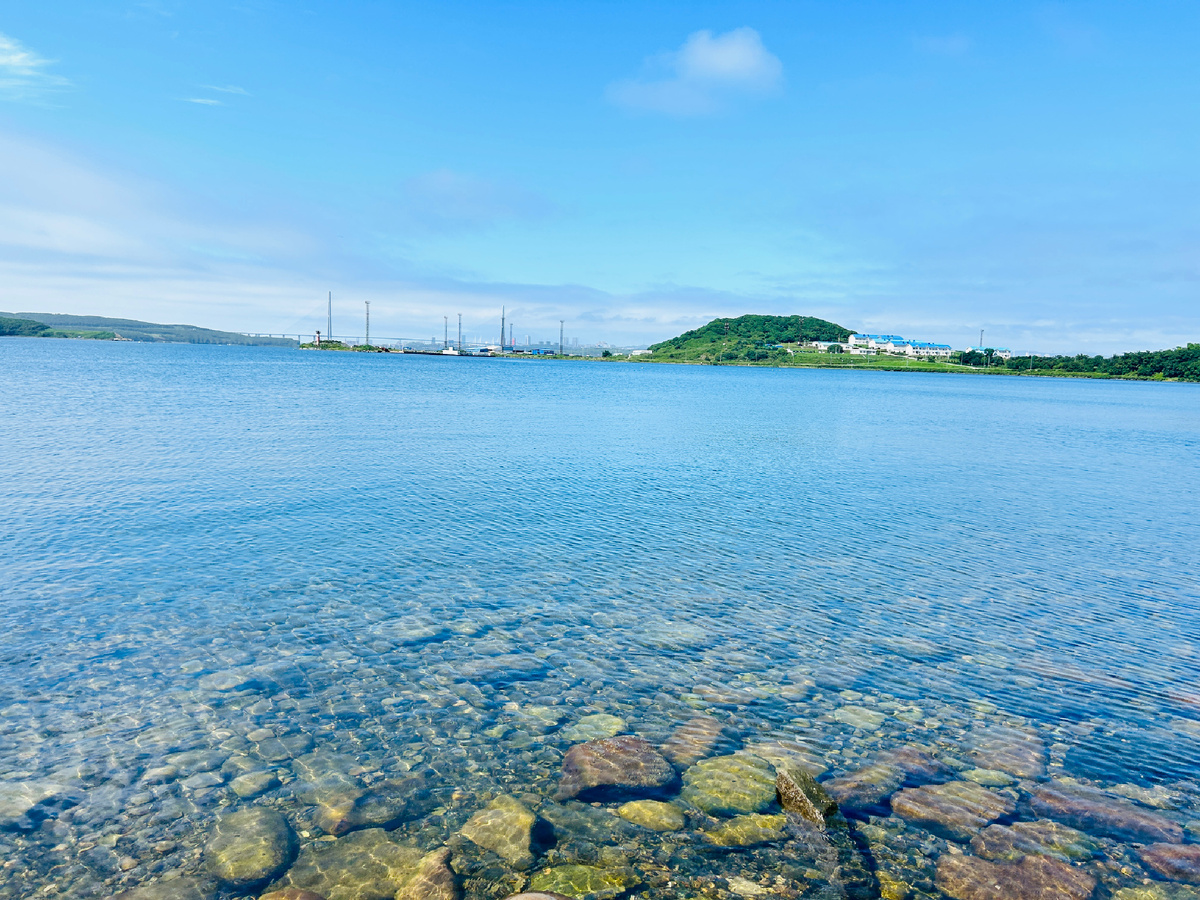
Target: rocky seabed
point(437, 762)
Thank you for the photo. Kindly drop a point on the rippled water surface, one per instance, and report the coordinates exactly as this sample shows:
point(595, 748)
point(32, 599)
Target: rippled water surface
point(226, 561)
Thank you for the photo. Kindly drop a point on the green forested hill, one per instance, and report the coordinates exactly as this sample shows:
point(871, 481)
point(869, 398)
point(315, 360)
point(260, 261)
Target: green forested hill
point(58, 325)
point(23, 328)
point(747, 337)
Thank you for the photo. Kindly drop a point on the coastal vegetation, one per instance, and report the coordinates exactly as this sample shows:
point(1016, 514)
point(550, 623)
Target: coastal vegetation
point(104, 328)
point(18, 327)
point(791, 341)
point(750, 338)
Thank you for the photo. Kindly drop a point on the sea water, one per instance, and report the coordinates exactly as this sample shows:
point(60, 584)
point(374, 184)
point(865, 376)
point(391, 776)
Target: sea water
point(222, 561)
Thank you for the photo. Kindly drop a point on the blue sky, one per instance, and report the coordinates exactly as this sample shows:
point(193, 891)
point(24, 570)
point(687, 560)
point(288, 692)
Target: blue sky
point(635, 169)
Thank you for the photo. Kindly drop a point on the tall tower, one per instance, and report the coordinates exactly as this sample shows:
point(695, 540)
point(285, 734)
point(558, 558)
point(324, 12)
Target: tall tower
point(502, 328)
point(329, 319)
point(560, 337)
point(510, 336)
point(460, 332)
point(368, 302)
point(445, 332)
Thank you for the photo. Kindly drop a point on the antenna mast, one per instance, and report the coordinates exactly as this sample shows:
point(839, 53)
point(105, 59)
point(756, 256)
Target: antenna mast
point(502, 329)
point(560, 337)
point(460, 332)
point(329, 319)
point(445, 332)
point(368, 302)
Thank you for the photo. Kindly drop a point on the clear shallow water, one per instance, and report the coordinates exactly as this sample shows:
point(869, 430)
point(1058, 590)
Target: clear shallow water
point(367, 536)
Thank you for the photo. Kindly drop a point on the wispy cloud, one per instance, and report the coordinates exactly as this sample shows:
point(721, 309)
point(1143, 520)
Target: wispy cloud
point(25, 76)
point(203, 101)
point(703, 76)
point(448, 201)
point(226, 89)
point(957, 44)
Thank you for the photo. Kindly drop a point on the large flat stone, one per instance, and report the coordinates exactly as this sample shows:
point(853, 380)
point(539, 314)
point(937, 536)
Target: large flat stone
point(616, 768)
point(1179, 862)
point(1033, 878)
point(957, 810)
point(730, 785)
point(1101, 814)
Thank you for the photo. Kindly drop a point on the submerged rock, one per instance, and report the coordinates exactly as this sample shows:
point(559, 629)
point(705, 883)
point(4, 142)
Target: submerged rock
point(798, 792)
point(384, 805)
point(178, 889)
point(434, 879)
point(860, 717)
point(695, 739)
point(1042, 838)
point(957, 810)
point(250, 847)
point(1158, 891)
point(1033, 878)
point(24, 804)
point(1178, 862)
point(653, 814)
point(745, 831)
point(594, 727)
point(730, 785)
point(291, 894)
point(363, 865)
point(252, 784)
point(1017, 751)
point(538, 895)
point(615, 768)
point(1099, 813)
point(865, 791)
point(784, 754)
point(919, 767)
point(581, 882)
point(505, 828)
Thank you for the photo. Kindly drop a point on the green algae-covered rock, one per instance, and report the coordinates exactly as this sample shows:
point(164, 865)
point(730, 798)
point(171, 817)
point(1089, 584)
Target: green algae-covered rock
point(363, 865)
point(506, 828)
point(1158, 892)
point(594, 727)
point(730, 785)
point(250, 847)
point(582, 882)
point(745, 831)
point(799, 792)
point(434, 879)
point(653, 814)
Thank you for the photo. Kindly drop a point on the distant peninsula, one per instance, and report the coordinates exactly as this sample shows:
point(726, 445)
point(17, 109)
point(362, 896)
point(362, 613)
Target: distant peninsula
point(101, 328)
point(809, 342)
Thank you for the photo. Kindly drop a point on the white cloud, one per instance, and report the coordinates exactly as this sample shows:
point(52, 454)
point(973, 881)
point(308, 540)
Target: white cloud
point(227, 89)
point(24, 75)
point(203, 101)
point(703, 76)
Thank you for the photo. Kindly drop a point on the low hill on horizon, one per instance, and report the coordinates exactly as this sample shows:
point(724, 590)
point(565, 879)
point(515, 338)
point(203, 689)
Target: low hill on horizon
point(62, 325)
point(747, 336)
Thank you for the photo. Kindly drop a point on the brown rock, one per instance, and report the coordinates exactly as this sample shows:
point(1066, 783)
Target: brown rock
point(1043, 838)
point(957, 810)
point(1033, 878)
point(435, 880)
point(865, 790)
point(185, 888)
point(1099, 813)
point(1017, 751)
point(919, 767)
point(383, 805)
point(1178, 862)
point(615, 768)
point(697, 738)
point(798, 792)
point(291, 894)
